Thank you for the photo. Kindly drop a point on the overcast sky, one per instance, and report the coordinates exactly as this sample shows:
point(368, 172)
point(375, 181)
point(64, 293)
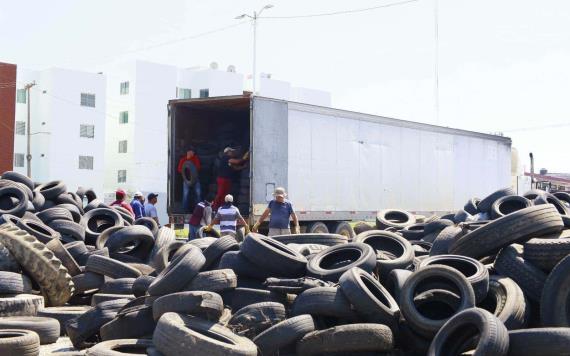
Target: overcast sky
point(503, 65)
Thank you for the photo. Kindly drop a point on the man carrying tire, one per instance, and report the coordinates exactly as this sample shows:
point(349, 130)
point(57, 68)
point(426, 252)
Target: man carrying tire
point(201, 216)
point(281, 210)
point(228, 216)
point(229, 166)
point(189, 167)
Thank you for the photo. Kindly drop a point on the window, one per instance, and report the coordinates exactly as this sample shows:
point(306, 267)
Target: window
point(87, 131)
point(124, 117)
point(122, 176)
point(20, 128)
point(86, 162)
point(19, 160)
point(123, 146)
point(88, 100)
point(21, 96)
point(184, 93)
point(124, 88)
point(204, 93)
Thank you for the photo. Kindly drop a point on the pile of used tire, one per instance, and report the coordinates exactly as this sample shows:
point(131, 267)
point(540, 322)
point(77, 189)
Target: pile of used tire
point(493, 278)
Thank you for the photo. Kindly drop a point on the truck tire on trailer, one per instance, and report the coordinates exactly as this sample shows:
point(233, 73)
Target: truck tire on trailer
point(317, 227)
point(342, 228)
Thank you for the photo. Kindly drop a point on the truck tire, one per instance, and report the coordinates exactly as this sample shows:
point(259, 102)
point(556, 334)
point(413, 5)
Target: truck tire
point(545, 253)
point(555, 296)
point(507, 302)
point(320, 239)
point(274, 256)
point(362, 226)
point(455, 336)
point(98, 220)
point(508, 204)
point(331, 263)
point(519, 227)
point(539, 341)
point(548, 198)
point(317, 227)
point(40, 263)
point(17, 342)
point(284, 334)
point(398, 219)
point(347, 339)
point(178, 334)
point(343, 228)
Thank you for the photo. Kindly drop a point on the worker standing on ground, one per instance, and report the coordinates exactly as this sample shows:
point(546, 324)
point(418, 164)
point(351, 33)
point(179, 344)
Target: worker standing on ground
point(201, 216)
point(120, 196)
point(281, 210)
point(137, 205)
point(190, 182)
point(228, 217)
point(229, 166)
point(150, 207)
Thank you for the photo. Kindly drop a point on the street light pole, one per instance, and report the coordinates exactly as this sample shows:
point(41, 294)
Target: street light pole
point(254, 17)
point(28, 130)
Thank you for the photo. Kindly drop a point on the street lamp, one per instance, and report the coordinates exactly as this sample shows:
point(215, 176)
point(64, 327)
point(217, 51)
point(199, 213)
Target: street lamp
point(254, 17)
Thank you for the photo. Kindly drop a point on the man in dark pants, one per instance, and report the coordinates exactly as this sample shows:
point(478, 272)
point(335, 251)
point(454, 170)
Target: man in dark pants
point(229, 166)
point(281, 210)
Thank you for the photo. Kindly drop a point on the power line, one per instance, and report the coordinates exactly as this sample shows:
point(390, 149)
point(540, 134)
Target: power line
point(343, 12)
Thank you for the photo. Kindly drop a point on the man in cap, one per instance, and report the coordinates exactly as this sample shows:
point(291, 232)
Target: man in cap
point(229, 166)
point(150, 208)
point(137, 205)
point(281, 210)
point(228, 217)
point(120, 196)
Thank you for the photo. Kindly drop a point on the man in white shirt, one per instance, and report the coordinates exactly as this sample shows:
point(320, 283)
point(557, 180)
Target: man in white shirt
point(149, 207)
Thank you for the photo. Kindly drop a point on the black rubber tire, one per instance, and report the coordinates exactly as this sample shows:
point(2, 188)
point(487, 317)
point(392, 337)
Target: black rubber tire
point(110, 267)
point(548, 198)
point(508, 204)
point(20, 305)
point(38, 201)
point(97, 220)
point(55, 213)
point(63, 314)
point(321, 239)
point(76, 249)
point(395, 282)
point(369, 298)
point(342, 228)
point(68, 228)
point(18, 205)
point(18, 342)
point(242, 297)
point(51, 190)
point(87, 281)
point(141, 284)
point(392, 250)
point(350, 339)
point(564, 197)
point(164, 245)
point(139, 235)
point(82, 331)
point(362, 226)
point(150, 223)
point(317, 227)
point(178, 334)
point(324, 301)
point(530, 278)
point(118, 286)
point(284, 334)
point(94, 204)
point(475, 272)
point(413, 232)
point(486, 203)
point(18, 177)
point(456, 336)
point(14, 283)
point(242, 266)
point(545, 253)
point(218, 280)
point(206, 305)
point(214, 252)
point(178, 273)
point(66, 259)
point(555, 296)
point(346, 256)
point(533, 193)
point(472, 206)
point(40, 231)
point(253, 319)
point(424, 325)
point(273, 256)
point(128, 218)
point(462, 216)
point(132, 323)
point(122, 347)
point(76, 213)
point(539, 341)
point(398, 219)
point(46, 328)
point(519, 227)
point(437, 225)
point(507, 302)
point(99, 298)
point(445, 239)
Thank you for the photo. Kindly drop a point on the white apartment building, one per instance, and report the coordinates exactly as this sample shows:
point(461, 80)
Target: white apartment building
point(67, 114)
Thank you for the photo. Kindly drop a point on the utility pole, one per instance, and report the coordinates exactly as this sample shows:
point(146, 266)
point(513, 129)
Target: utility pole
point(436, 60)
point(254, 17)
point(28, 129)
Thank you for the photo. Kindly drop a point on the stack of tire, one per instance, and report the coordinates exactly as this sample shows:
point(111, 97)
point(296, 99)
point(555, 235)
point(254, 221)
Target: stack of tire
point(493, 278)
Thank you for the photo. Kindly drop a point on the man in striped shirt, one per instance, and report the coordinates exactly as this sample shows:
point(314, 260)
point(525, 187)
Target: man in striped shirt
point(228, 217)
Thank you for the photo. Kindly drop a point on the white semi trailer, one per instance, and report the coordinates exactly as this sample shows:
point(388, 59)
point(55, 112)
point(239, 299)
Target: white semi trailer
point(337, 165)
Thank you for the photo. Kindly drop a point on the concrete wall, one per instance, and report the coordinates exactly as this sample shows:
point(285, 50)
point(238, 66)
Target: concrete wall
point(7, 112)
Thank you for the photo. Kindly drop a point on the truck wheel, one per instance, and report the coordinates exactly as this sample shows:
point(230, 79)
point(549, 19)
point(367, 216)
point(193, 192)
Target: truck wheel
point(317, 227)
point(343, 228)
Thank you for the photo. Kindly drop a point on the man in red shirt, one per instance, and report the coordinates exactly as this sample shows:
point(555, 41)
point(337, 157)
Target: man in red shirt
point(120, 196)
point(192, 157)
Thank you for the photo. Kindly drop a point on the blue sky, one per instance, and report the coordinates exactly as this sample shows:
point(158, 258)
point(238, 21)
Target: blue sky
point(503, 64)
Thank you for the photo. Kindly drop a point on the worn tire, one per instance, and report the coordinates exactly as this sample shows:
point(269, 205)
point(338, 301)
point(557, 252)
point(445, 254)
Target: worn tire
point(178, 273)
point(63, 314)
point(472, 206)
point(241, 297)
point(214, 252)
point(122, 347)
point(253, 319)
point(555, 296)
point(14, 283)
point(46, 328)
point(519, 227)
point(87, 281)
point(539, 341)
point(97, 220)
point(40, 263)
point(63, 255)
point(68, 228)
point(218, 280)
point(273, 256)
point(206, 305)
point(284, 334)
point(19, 178)
point(51, 190)
point(321, 239)
point(20, 305)
point(17, 208)
point(324, 301)
point(138, 235)
point(508, 204)
point(413, 232)
point(150, 223)
point(398, 219)
point(545, 253)
point(134, 322)
point(178, 334)
point(445, 239)
point(486, 203)
point(507, 302)
point(548, 198)
point(395, 282)
point(242, 267)
point(18, 342)
point(118, 286)
point(110, 267)
point(346, 256)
